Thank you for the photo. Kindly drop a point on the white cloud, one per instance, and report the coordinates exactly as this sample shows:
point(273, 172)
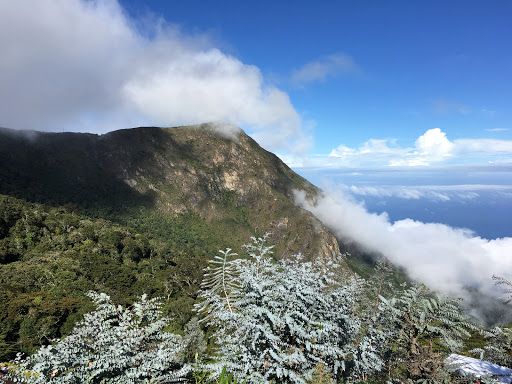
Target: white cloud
point(83, 66)
point(433, 147)
point(468, 195)
point(372, 152)
point(483, 146)
point(326, 66)
point(445, 107)
point(446, 259)
point(497, 129)
point(434, 143)
point(438, 193)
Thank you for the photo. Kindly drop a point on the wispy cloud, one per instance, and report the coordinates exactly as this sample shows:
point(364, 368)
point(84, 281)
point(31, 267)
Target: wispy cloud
point(483, 146)
point(488, 112)
point(446, 107)
point(326, 66)
point(83, 66)
point(497, 129)
point(451, 107)
point(439, 193)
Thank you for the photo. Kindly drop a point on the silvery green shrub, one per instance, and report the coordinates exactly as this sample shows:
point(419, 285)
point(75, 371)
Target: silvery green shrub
point(498, 348)
point(111, 345)
point(418, 321)
point(277, 321)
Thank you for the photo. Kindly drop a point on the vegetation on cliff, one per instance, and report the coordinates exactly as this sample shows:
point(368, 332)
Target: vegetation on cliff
point(131, 212)
point(50, 257)
point(288, 321)
point(143, 177)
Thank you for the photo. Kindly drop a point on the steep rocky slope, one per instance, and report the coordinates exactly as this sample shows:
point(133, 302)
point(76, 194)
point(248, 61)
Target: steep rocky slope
point(223, 188)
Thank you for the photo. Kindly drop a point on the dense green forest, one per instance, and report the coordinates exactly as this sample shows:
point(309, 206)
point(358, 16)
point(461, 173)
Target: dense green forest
point(50, 257)
point(165, 181)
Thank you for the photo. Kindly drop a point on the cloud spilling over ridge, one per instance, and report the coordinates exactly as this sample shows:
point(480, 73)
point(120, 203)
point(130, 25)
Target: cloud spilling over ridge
point(446, 259)
point(83, 66)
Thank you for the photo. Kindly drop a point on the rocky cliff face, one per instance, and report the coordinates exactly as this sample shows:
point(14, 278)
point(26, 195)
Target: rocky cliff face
point(230, 183)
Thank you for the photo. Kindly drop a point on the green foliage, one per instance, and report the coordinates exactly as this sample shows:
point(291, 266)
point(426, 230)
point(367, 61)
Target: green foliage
point(283, 319)
point(6, 348)
point(221, 280)
point(498, 348)
point(201, 376)
point(111, 345)
point(423, 328)
point(287, 321)
point(50, 257)
point(228, 378)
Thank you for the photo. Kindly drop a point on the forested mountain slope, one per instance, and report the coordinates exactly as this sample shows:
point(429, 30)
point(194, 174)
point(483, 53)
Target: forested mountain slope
point(50, 257)
point(131, 212)
point(146, 177)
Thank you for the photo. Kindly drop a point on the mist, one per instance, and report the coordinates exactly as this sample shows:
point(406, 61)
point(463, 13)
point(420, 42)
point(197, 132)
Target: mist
point(449, 260)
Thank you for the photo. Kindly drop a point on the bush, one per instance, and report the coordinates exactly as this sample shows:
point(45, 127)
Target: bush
point(277, 322)
point(111, 345)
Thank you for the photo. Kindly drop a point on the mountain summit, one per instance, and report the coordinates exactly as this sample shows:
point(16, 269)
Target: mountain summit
point(193, 175)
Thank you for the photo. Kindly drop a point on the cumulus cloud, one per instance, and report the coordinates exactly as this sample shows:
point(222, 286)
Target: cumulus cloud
point(434, 143)
point(432, 147)
point(446, 259)
point(372, 152)
point(83, 66)
point(324, 67)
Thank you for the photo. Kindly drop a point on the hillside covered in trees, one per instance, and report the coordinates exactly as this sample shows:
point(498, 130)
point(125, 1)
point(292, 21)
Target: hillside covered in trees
point(131, 212)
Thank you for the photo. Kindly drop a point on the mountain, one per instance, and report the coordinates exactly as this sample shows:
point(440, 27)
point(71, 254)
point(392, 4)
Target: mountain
point(141, 176)
point(133, 211)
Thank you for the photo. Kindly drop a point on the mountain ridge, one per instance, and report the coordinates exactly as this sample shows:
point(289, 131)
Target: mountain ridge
point(134, 211)
point(170, 172)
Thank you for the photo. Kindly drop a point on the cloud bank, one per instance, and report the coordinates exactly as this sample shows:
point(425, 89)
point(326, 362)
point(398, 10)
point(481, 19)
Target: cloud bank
point(439, 193)
point(446, 259)
point(433, 147)
point(79, 65)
